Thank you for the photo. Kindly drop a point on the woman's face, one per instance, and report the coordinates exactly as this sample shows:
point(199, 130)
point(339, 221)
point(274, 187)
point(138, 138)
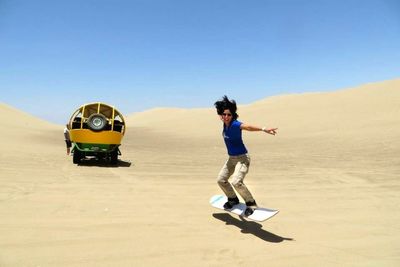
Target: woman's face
point(226, 116)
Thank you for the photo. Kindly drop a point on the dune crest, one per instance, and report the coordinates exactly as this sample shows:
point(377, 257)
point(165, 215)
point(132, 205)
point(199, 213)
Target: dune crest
point(12, 117)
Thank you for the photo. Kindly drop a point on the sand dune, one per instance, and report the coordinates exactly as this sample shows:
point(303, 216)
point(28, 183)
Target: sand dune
point(21, 131)
point(346, 109)
point(332, 171)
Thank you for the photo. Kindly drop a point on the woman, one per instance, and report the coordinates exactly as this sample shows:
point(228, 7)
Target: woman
point(238, 162)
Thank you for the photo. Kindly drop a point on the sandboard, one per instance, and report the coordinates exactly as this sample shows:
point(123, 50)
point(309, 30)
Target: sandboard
point(259, 214)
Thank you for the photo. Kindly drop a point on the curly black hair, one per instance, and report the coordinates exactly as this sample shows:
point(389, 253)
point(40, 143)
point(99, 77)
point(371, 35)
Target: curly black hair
point(224, 104)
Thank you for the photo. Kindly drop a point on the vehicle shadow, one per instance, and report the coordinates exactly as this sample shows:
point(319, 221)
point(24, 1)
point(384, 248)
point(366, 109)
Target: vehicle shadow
point(250, 227)
point(93, 162)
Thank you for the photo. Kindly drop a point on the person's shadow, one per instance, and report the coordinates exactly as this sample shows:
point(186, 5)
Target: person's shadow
point(250, 227)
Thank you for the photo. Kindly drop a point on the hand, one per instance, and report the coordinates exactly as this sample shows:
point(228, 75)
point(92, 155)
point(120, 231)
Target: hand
point(271, 131)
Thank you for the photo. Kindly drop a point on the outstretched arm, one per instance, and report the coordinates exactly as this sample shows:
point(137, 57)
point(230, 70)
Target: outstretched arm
point(252, 128)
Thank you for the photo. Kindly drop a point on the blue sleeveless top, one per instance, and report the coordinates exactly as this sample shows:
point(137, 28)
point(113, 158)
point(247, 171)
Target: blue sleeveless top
point(233, 139)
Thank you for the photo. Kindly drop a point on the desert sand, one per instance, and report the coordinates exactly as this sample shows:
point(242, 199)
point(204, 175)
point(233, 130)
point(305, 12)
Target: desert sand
point(333, 171)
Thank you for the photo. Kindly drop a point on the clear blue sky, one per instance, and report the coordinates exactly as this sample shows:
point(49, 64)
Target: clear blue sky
point(140, 54)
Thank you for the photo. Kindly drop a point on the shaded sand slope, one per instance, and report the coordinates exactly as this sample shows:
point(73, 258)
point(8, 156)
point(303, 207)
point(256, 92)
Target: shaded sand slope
point(333, 172)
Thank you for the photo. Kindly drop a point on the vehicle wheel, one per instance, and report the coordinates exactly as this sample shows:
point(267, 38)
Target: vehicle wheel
point(97, 122)
point(77, 156)
point(114, 157)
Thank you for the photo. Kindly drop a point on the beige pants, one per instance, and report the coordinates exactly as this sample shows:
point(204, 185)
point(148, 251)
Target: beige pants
point(237, 167)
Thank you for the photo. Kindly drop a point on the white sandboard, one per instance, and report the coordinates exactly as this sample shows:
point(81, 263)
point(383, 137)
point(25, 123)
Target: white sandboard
point(259, 214)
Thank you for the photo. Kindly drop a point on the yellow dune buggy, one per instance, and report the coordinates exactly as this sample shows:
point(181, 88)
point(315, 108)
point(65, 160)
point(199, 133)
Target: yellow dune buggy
point(96, 130)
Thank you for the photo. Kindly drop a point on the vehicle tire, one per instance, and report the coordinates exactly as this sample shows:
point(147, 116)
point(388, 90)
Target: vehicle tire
point(97, 122)
point(114, 157)
point(77, 156)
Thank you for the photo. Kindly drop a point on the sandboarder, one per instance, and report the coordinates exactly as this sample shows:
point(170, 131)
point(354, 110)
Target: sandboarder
point(238, 162)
